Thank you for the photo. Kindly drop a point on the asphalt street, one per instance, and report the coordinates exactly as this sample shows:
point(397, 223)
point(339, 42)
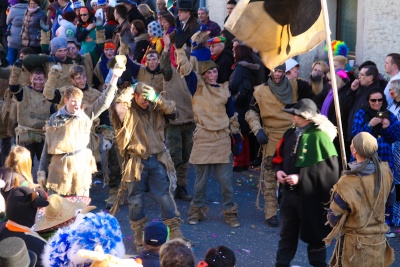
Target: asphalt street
point(254, 243)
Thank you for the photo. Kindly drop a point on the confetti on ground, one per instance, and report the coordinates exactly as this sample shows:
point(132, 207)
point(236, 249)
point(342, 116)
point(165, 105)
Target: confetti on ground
point(216, 202)
point(214, 235)
point(246, 250)
point(253, 226)
point(233, 233)
point(128, 238)
point(97, 182)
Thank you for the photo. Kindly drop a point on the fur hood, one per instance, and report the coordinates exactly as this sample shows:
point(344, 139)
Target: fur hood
point(251, 66)
point(141, 37)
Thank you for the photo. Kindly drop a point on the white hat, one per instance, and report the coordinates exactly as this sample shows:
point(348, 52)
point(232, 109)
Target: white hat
point(290, 64)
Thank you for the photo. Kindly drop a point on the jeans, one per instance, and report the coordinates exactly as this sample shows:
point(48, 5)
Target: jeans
point(155, 175)
point(180, 143)
point(224, 174)
point(12, 55)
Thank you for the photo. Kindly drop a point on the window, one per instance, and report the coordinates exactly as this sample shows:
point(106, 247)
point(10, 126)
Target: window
point(347, 23)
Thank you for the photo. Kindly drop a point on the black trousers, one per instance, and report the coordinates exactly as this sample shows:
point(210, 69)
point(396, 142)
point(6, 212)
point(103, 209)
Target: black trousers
point(290, 230)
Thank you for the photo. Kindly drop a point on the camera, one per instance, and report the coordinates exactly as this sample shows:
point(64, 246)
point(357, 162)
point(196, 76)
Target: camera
point(382, 114)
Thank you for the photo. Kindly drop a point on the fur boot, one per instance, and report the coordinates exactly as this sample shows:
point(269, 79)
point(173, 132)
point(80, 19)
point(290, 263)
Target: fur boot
point(138, 228)
point(174, 226)
point(231, 216)
point(197, 214)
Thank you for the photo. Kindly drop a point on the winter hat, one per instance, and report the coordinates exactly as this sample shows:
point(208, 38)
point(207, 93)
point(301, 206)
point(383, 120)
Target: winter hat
point(299, 108)
point(57, 43)
point(155, 234)
point(13, 253)
point(290, 64)
point(22, 204)
point(60, 213)
point(206, 65)
point(93, 2)
point(127, 2)
point(77, 4)
point(155, 29)
point(365, 144)
point(217, 39)
point(72, 39)
point(101, 2)
point(281, 67)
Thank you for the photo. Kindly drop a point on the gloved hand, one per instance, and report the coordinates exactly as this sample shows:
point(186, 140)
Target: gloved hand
point(262, 138)
point(119, 67)
point(44, 26)
point(180, 38)
point(18, 63)
point(41, 179)
point(106, 144)
point(150, 94)
point(238, 145)
point(99, 22)
point(56, 69)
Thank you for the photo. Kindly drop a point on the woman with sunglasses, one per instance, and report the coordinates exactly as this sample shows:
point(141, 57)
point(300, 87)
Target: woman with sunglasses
point(86, 30)
point(377, 120)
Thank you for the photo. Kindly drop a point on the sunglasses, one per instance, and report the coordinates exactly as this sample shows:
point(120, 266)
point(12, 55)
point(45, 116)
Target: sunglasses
point(376, 100)
point(83, 15)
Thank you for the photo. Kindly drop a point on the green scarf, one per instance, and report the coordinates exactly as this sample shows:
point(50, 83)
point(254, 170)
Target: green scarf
point(283, 90)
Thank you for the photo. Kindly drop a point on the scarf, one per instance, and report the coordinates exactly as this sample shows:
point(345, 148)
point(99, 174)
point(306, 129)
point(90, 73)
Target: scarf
point(33, 10)
point(283, 90)
point(103, 66)
point(171, 29)
point(327, 103)
point(368, 169)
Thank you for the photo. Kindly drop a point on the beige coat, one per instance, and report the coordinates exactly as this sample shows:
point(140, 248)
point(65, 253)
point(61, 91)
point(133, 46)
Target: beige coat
point(141, 134)
point(275, 122)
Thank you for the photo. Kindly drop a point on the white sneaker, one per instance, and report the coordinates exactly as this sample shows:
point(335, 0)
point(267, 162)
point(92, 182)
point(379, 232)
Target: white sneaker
point(390, 234)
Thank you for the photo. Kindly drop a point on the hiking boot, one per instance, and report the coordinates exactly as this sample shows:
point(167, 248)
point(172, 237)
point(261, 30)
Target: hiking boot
point(231, 216)
point(197, 214)
point(272, 222)
point(181, 193)
point(256, 162)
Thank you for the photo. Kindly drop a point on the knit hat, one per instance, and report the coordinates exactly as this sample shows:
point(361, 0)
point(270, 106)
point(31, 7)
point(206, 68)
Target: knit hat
point(13, 253)
point(72, 39)
point(57, 43)
point(22, 204)
point(206, 65)
point(60, 213)
point(299, 108)
point(155, 234)
point(77, 4)
point(93, 2)
point(101, 2)
point(217, 39)
point(281, 67)
point(365, 144)
point(290, 64)
point(155, 29)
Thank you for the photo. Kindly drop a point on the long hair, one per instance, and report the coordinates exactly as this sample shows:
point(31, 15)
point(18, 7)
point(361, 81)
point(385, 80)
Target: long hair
point(19, 160)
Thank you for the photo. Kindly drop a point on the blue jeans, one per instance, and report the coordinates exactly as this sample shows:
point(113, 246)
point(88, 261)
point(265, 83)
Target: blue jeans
point(224, 174)
point(12, 55)
point(155, 175)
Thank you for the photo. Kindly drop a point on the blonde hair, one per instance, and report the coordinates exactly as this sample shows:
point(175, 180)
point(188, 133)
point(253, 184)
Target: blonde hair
point(341, 59)
point(325, 67)
point(145, 10)
point(339, 82)
point(73, 91)
point(19, 160)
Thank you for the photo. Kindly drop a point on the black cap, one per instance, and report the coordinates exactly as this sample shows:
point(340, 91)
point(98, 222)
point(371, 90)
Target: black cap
point(304, 105)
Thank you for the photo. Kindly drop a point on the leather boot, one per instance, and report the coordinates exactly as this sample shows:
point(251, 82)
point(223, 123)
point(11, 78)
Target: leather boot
point(138, 228)
point(197, 214)
point(231, 216)
point(174, 226)
point(181, 193)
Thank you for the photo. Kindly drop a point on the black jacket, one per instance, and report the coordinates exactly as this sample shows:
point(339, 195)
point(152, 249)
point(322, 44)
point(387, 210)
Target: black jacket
point(225, 62)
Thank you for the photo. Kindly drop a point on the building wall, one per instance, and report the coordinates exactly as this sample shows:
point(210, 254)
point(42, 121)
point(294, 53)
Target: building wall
point(378, 30)
point(217, 10)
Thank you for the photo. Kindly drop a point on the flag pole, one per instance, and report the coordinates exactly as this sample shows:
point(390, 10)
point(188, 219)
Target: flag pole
point(334, 84)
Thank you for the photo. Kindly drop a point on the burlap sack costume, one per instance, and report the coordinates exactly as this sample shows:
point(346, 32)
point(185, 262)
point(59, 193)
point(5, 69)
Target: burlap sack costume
point(360, 232)
point(275, 123)
point(33, 112)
